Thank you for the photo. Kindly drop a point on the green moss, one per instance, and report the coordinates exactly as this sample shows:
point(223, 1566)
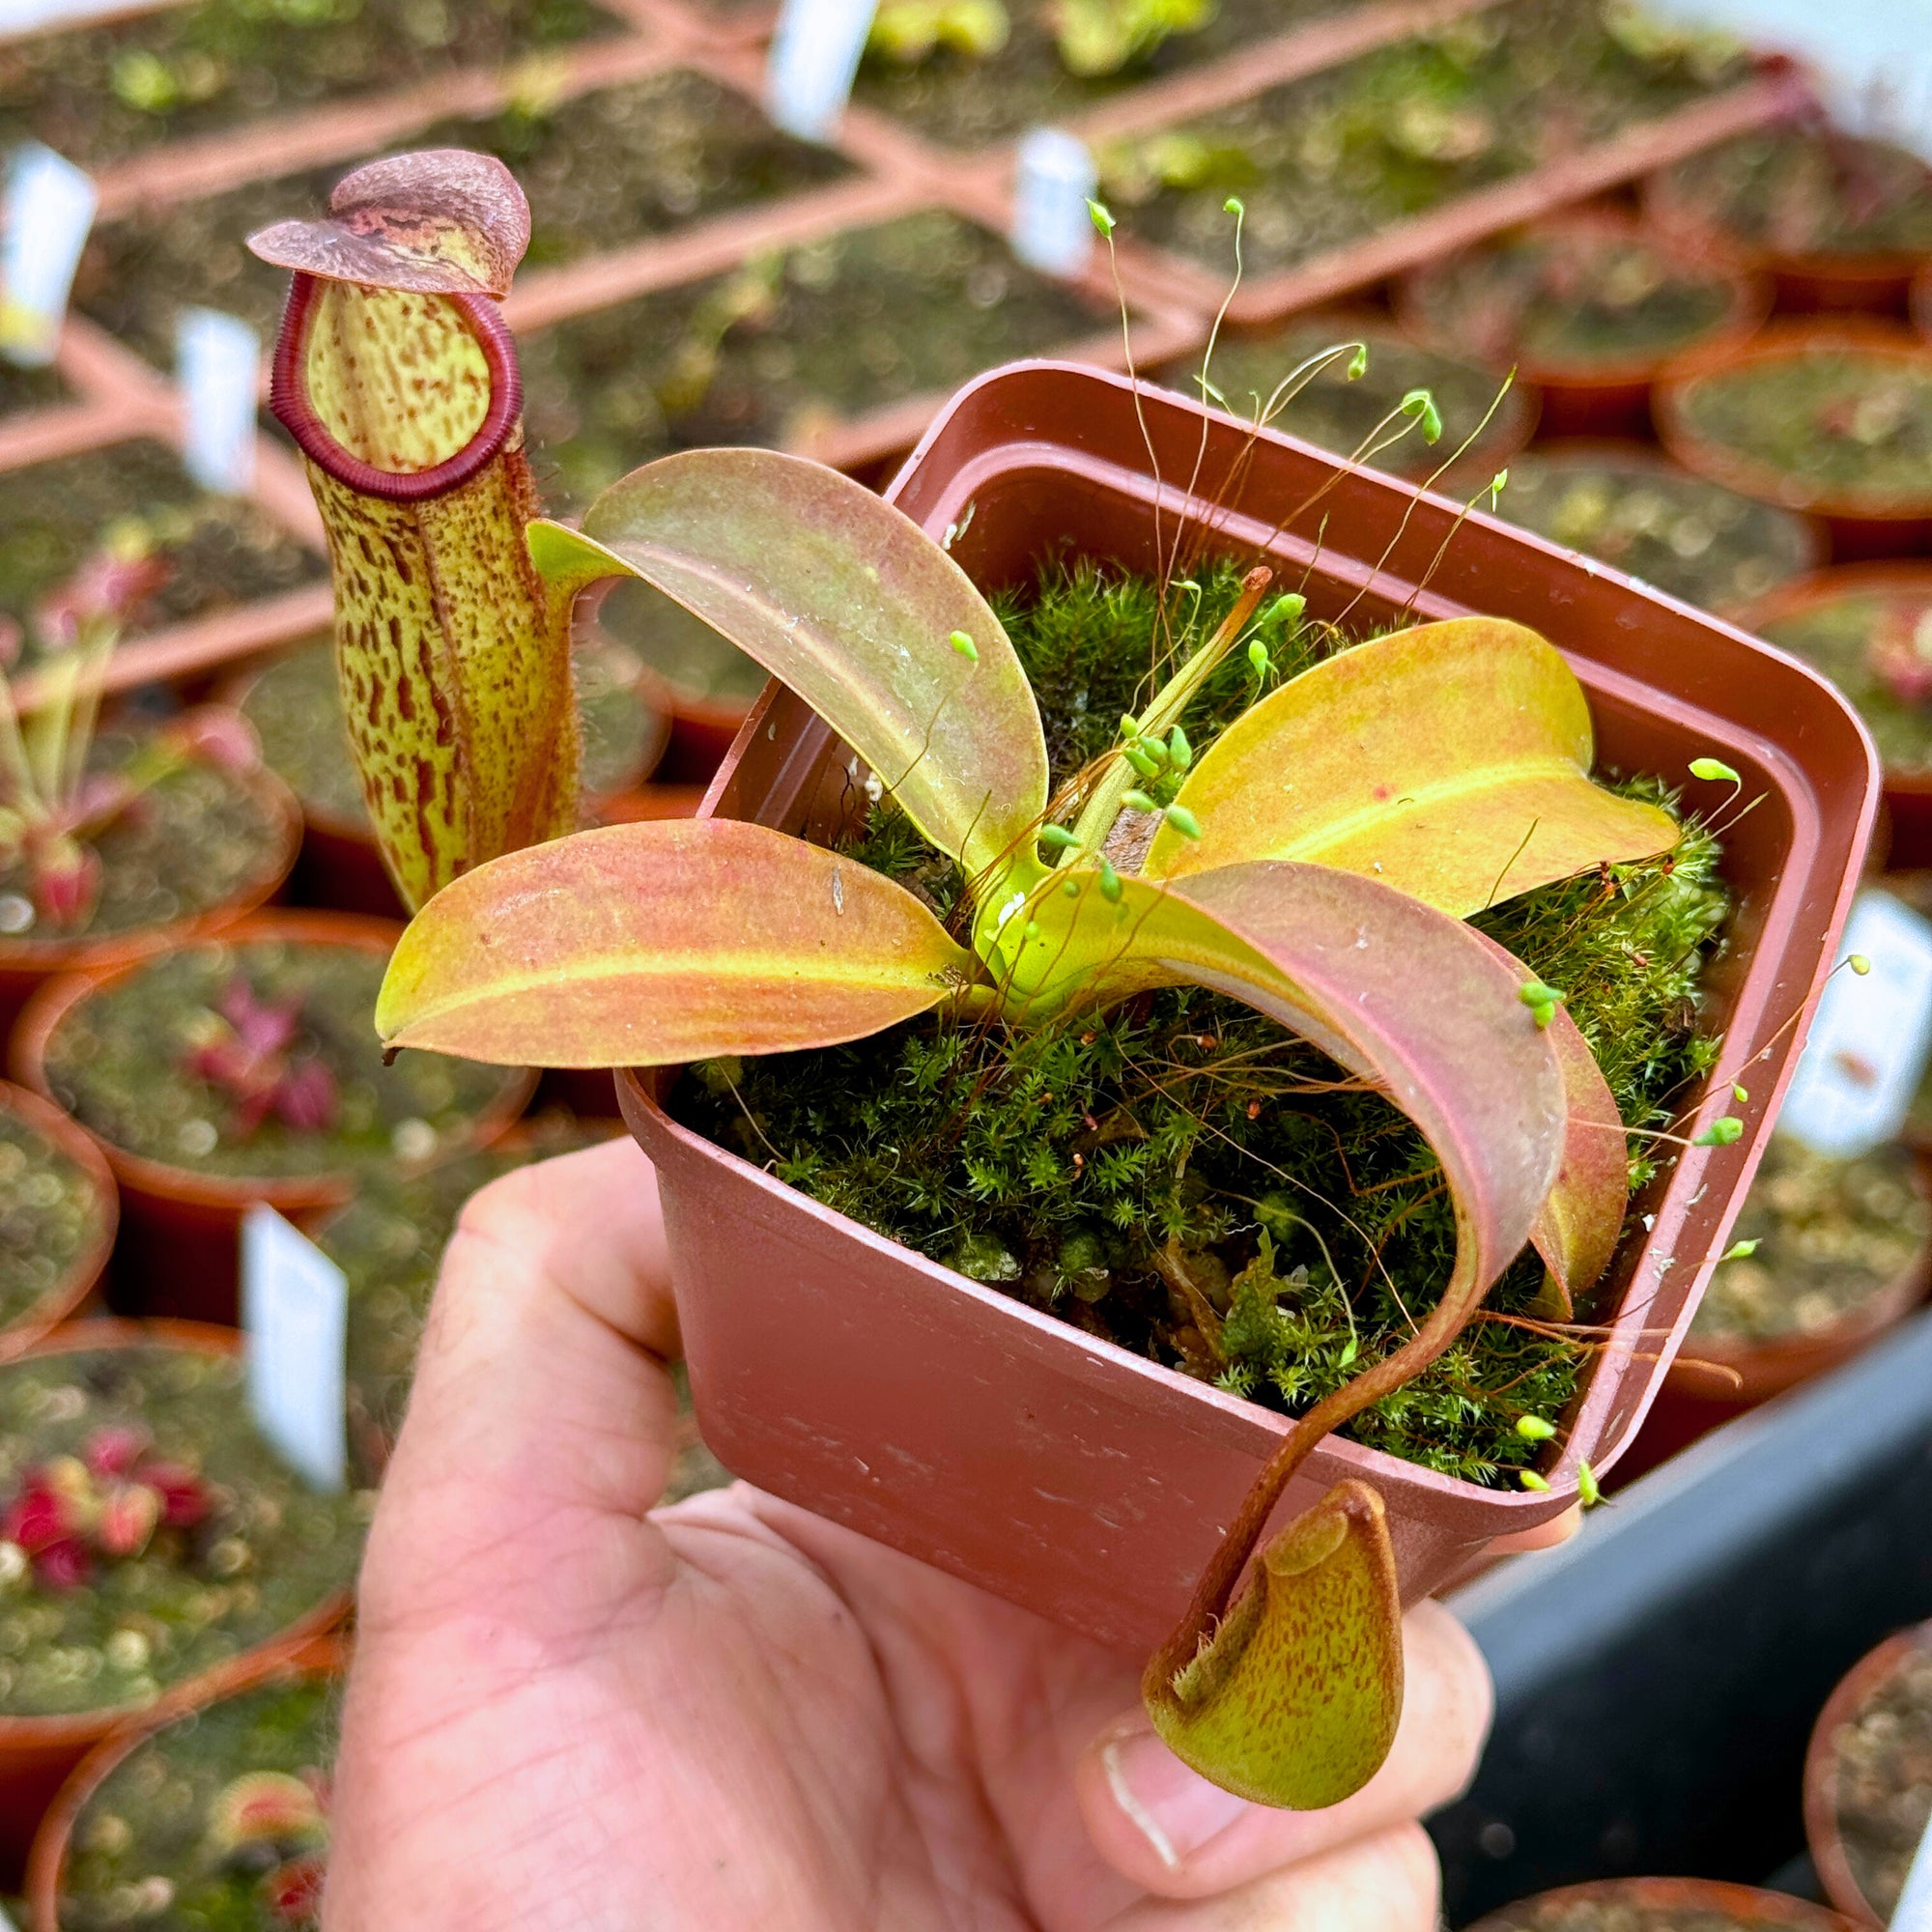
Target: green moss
point(50, 1213)
point(148, 1838)
point(1123, 1170)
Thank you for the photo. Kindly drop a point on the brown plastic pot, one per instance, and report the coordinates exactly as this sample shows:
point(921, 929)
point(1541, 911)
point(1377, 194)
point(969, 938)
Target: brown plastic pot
point(1908, 788)
point(63, 1302)
point(26, 964)
point(178, 1248)
point(37, 1754)
point(1744, 1904)
point(47, 1862)
point(1859, 526)
point(1087, 1483)
point(1609, 395)
point(1829, 281)
point(1821, 1832)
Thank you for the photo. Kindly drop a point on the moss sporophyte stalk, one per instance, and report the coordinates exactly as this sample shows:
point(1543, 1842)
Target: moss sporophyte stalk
point(1267, 999)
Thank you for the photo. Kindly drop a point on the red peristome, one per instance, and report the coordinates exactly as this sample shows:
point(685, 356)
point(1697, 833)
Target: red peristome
point(290, 405)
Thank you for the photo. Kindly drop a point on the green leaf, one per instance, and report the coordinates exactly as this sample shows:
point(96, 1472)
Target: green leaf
point(850, 604)
point(1450, 760)
point(1294, 1698)
point(652, 944)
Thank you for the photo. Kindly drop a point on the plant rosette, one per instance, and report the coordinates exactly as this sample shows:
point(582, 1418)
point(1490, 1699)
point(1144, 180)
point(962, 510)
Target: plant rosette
point(158, 1551)
point(239, 1070)
point(295, 705)
point(1833, 416)
point(1259, 379)
point(1662, 1905)
point(58, 1213)
point(1842, 224)
point(1589, 308)
point(1868, 1778)
point(1442, 770)
point(1642, 515)
point(218, 1818)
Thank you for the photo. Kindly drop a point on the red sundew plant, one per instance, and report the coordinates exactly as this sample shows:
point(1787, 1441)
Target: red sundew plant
point(256, 1067)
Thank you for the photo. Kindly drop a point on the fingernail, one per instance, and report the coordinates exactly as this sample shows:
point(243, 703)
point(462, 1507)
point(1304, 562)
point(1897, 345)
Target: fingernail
point(1177, 1809)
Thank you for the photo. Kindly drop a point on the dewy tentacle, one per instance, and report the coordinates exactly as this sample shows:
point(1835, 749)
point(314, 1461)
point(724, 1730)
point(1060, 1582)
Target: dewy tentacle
point(396, 375)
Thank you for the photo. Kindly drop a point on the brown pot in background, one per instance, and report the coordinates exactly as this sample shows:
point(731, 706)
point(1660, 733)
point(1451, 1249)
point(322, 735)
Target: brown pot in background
point(1827, 282)
point(1609, 396)
point(1744, 1904)
point(1860, 529)
point(178, 1249)
point(24, 965)
point(1713, 1380)
point(37, 1754)
point(64, 1300)
point(47, 1862)
point(1908, 788)
point(1087, 1483)
point(1821, 1830)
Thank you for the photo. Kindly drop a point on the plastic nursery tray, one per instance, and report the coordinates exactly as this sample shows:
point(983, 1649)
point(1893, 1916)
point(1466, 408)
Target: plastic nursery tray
point(1069, 1476)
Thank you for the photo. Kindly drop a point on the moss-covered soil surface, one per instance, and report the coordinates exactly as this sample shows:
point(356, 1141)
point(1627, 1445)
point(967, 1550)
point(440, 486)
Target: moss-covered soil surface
point(29, 389)
point(1876, 647)
point(157, 1845)
point(1181, 1175)
point(601, 170)
point(1364, 414)
point(787, 343)
point(198, 839)
point(1830, 1234)
point(100, 94)
point(1696, 540)
point(964, 100)
point(132, 1063)
point(219, 552)
point(51, 1215)
point(1883, 1793)
point(389, 1242)
point(1832, 423)
point(296, 707)
point(1803, 192)
point(1572, 299)
point(1328, 160)
point(261, 1549)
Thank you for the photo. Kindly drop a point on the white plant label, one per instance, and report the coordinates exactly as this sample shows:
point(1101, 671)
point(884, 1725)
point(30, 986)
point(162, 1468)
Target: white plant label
point(48, 209)
point(295, 1319)
point(1055, 178)
point(815, 51)
point(219, 360)
point(1868, 1047)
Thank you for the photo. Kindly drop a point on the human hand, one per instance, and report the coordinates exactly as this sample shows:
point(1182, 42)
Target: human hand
point(731, 1716)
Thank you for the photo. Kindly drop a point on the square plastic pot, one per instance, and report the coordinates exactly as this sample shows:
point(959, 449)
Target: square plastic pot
point(882, 1390)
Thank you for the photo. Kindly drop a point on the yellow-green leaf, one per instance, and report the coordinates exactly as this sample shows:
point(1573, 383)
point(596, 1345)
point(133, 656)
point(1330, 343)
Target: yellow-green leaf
point(849, 603)
point(651, 944)
point(1450, 760)
point(1294, 1697)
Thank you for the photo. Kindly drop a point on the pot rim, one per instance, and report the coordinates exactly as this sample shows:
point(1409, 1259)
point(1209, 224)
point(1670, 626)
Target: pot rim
point(300, 1657)
point(80, 1147)
point(82, 1728)
point(1821, 1764)
point(1785, 340)
point(141, 1174)
point(1747, 290)
point(113, 952)
point(1751, 1904)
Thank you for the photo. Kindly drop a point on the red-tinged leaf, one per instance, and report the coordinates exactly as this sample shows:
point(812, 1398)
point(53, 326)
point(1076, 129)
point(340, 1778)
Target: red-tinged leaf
point(1450, 760)
point(849, 602)
point(651, 944)
point(1294, 1697)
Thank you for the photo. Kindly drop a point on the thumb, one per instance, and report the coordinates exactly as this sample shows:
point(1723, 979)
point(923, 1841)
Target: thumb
point(542, 1405)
